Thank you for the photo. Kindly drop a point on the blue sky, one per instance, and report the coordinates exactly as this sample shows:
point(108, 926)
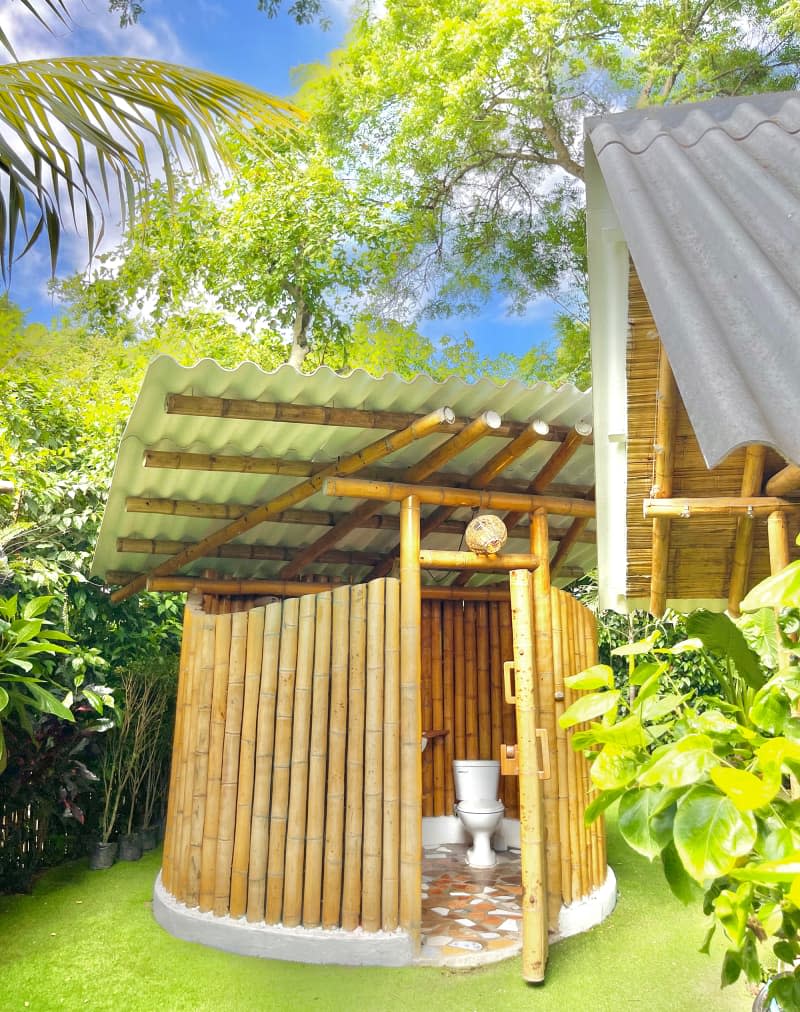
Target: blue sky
point(237, 41)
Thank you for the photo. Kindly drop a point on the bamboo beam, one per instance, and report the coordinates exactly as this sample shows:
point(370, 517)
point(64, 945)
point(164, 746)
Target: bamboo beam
point(154, 546)
point(429, 465)
point(182, 460)
point(752, 480)
point(684, 509)
point(410, 724)
point(358, 488)
point(219, 407)
point(532, 828)
point(778, 538)
point(440, 559)
point(663, 449)
point(785, 482)
point(568, 539)
point(348, 465)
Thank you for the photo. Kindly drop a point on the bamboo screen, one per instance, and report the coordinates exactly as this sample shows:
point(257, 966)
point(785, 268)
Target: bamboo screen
point(701, 550)
point(284, 796)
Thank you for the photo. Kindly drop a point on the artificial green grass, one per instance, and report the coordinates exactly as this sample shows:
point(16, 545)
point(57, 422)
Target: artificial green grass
point(87, 940)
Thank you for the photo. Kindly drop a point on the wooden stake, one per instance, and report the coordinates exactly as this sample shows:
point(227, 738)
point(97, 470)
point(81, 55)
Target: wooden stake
point(354, 810)
point(532, 830)
point(373, 758)
point(265, 747)
point(337, 741)
point(410, 724)
point(752, 479)
point(391, 760)
point(298, 787)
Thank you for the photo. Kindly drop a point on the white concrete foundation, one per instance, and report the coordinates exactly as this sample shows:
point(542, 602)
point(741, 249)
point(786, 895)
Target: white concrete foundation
point(273, 941)
point(588, 912)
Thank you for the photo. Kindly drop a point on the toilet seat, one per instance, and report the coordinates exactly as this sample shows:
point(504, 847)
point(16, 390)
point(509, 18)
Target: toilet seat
point(481, 807)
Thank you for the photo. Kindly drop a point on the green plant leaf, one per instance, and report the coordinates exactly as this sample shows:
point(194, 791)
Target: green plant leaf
point(721, 636)
point(682, 885)
point(598, 805)
point(711, 834)
point(36, 606)
point(785, 870)
point(656, 707)
point(599, 676)
point(779, 591)
point(731, 910)
point(680, 763)
point(771, 709)
point(613, 768)
point(46, 702)
point(588, 707)
point(3, 699)
point(747, 791)
point(644, 646)
point(646, 832)
point(644, 672)
point(628, 733)
point(731, 967)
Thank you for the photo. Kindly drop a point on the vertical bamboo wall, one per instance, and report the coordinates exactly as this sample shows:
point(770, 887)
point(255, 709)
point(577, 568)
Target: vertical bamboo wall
point(284, 796)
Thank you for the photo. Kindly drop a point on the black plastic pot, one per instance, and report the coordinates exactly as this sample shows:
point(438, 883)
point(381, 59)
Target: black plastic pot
point(102, 855)
point(148, 836)
point(130, 847)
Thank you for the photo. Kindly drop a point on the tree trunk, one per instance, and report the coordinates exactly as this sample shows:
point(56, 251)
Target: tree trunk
point(302, 320)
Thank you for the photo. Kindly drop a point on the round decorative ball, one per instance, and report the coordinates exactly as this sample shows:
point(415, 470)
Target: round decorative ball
point(486, 535)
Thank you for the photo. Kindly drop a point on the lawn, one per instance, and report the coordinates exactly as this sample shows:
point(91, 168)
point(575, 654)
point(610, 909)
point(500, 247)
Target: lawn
point(88, 940)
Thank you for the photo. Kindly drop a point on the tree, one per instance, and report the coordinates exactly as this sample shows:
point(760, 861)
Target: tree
point(75, 131)
point(470, 114)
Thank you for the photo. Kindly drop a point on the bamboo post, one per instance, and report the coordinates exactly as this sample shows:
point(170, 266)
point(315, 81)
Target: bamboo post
point(778, 536)
point(560, 661)
point(573, 779)
point(410, 724)
point(510, 791)
point(471, 681)
point(247, 759)
point(337, 741)
point(187, 763)
point(459, 685)
point(484, 683)
point(448, 703)
point(391, 760)
point(298, 787)
point(281, 763)
point(664, 453)
point(318, 758)
point(543, 643)
point(583, 766)
point(230, 764)
point(495, 680)
point(265, 745)
point(532, 830)
point(426, 689)
point(436, 745)
point(752, 479)
point(373, 758)
point(202, 703)
point(354, 786)
point(590, 658)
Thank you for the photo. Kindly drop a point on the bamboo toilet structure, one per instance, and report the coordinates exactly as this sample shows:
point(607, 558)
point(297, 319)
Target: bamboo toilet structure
point(342, 624)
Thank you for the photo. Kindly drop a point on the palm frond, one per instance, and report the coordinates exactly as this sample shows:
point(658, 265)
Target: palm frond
point(79, 134)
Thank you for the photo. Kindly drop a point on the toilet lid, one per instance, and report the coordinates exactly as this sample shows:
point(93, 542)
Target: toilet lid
point(481, 807)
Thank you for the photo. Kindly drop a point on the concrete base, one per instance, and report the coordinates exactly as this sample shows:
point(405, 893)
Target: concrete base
point(273, 941)
point(588, 912)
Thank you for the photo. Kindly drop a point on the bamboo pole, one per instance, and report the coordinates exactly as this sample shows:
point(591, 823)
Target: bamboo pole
point(230, 764)
point(354, 786)
point(785, 482)
point(298, 788)
point(448, 702)
point(684, 508)
point(471, 682)
point(373, 758)
point(590, 658)
point(347, 465)
point(202, 703)
point(179, 460)
point(425, 708)
point(438, 559)
point(484, 707)
point(664, 447)
point(281, 763)
point(437, 745)
point(752, 479)
point(310, 414)
point(360, 488)
point(510, 792)
point(573, 777)
point(543, 644)
point(410, 724)
point(153, 546)
point(532, 829)
point(429, 465)
point(778, 536)
point(187, 764)
point(337, 741)
point(495, 681)
point(583, 766)
point(560, 661)
point(567, 542)
point(391, 760)
point(318, 759)
point(265, 746)
point(459, 685)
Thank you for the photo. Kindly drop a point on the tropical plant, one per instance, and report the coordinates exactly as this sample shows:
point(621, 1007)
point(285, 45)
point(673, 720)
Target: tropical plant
point(708, 789)
point(76, 133)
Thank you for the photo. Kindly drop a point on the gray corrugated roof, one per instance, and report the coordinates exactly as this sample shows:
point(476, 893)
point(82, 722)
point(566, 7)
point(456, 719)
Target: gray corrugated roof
point(708, 197)
point(151, 427)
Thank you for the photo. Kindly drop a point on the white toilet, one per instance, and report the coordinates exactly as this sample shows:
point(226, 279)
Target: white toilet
point(477, 806)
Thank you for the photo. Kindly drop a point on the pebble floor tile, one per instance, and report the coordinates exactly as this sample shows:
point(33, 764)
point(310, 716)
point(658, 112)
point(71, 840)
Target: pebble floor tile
point(470, 916)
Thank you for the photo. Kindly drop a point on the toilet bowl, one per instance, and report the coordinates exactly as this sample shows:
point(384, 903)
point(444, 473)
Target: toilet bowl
point(477, 806)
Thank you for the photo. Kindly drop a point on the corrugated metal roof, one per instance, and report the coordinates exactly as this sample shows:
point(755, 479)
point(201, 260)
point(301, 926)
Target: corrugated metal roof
point(151, 427)
point(708, 197)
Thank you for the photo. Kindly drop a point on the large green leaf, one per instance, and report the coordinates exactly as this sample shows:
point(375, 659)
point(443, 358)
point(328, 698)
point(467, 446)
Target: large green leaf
point(79, 133)
point(721, 636)
point(747, 791)
point(710, 833)
point(589, 707)
point(599, 676)
point(682, 885)
point(46, 702)
point(779, 591)
point(645, 827)
point(785, 870)
point(681, 763)
point(612, 768)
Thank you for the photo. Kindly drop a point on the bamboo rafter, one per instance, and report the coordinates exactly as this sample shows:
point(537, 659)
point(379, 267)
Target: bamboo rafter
point(785, 482)
point(150, 546)
point(721, 506)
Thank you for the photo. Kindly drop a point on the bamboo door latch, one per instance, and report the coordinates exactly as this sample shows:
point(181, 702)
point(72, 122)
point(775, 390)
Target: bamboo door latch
point(509, 757)
point(510, 695)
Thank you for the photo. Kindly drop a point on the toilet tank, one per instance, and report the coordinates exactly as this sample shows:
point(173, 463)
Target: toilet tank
point(476, 779)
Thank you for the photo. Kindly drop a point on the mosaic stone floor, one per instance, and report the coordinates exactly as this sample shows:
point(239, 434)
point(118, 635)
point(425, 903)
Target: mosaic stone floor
point(470, 916)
